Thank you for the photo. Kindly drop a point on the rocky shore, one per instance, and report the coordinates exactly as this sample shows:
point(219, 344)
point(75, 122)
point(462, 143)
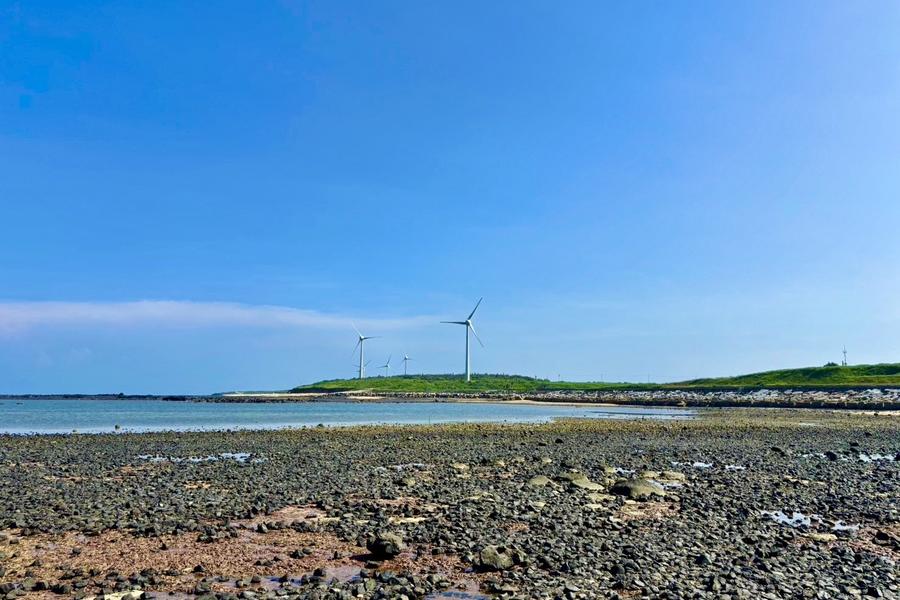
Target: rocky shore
point(858, 399)
point(737, 504)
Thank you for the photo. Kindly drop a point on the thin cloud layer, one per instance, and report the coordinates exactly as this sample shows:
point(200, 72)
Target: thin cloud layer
point(16, 317)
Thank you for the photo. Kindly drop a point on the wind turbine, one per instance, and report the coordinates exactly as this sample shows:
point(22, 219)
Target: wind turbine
point(361, 345)
point(406, 359)
point(368, 362)
point(386, 366)
point(468, 325)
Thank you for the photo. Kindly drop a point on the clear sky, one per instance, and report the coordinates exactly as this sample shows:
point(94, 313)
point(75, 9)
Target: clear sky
point(202, 196)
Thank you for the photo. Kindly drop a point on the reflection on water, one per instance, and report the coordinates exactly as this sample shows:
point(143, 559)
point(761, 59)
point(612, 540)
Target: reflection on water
point(105, 415)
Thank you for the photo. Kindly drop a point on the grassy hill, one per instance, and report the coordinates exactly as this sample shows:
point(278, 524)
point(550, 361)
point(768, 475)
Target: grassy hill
point(446, 384)
point(829, 376)
point(855, 376)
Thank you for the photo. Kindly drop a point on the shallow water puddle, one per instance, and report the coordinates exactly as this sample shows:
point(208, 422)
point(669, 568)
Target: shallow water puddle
point(735, 468)
point(449, 595)
point(862, 457)
point(876, 457)
point(799, 519)
point(241, 457)
point(696, 464)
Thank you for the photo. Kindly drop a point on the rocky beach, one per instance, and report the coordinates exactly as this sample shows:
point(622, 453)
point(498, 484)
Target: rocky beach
point(741, 503)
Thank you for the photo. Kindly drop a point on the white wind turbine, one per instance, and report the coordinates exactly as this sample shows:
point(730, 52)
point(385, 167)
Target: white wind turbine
point(368, 362)
point(386, 366)
point(406, 359)
point(468, 324)
point(360, 343)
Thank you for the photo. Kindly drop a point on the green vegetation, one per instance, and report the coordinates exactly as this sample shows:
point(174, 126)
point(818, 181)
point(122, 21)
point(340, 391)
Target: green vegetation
point(831, 376)
point(828, 376)
point(430, 384)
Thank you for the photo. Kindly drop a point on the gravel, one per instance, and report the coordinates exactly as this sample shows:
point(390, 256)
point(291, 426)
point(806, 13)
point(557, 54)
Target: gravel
point(586, 509)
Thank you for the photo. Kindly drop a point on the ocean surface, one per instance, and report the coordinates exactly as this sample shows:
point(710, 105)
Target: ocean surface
point(31, 415)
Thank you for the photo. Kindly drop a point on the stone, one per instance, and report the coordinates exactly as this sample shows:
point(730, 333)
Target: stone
point(386, 545)
point(495, 558)
point(637, 489)
point(539, 481)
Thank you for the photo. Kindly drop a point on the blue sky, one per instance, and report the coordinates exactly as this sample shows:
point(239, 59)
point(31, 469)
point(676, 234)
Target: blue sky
point(199, 196)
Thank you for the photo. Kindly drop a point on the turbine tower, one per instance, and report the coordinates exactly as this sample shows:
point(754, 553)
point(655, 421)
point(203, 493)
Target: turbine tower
point(386, 366)
point(406, 359)
point(468, 325)
point(845, 357)
point(360, 343)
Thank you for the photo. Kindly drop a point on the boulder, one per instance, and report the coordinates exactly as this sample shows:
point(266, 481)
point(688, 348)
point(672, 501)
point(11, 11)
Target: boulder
point(497, 558)
point(386, 545)
point(637, 489)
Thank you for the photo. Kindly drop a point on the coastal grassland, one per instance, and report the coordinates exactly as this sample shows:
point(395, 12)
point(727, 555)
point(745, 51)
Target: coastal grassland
point(828, 377)
point(448, 384)
point(834, 376)
point(525, 511)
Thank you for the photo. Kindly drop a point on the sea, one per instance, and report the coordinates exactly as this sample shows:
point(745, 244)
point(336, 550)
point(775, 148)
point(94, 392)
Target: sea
point(104, 415)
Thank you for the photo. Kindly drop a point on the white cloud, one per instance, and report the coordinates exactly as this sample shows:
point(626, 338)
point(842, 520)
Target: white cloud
point(22, 316)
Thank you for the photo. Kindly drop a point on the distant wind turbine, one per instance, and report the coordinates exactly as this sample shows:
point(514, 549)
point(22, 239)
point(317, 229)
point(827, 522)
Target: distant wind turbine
point(406, 359)
point(368, 362)
point(468, 325)
point(386, 366)
point(361, 345)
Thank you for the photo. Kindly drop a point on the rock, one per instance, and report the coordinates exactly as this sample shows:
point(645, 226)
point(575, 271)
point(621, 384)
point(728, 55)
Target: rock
point(539, 481)
point(831, 455)
point(61, 588)
point(459, 467)
point(637, 489)
point(495, 558)
point(821, 537)
point(586, 484)
point(580, 480)
point(598, 497)
point(672, 476)
point(386, 545)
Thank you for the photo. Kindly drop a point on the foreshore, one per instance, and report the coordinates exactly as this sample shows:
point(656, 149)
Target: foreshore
point(859, 399)
point(740, 503)
point(864, 399)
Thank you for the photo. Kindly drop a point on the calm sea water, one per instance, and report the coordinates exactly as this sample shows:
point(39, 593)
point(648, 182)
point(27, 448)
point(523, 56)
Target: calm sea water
point(96, 415)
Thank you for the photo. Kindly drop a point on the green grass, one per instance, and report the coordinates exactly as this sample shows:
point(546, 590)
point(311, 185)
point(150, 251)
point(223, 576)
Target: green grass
point(856, 376)
point(830, 376)
point(443, 384)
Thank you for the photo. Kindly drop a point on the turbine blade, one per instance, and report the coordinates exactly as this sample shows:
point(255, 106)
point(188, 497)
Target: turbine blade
point(357, 330)
point(455, 322)
point(476, 336)
point(471, 314)
point(358, 342)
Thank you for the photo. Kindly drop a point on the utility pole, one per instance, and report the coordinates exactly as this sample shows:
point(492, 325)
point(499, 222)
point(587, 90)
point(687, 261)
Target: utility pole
point(844, 362)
